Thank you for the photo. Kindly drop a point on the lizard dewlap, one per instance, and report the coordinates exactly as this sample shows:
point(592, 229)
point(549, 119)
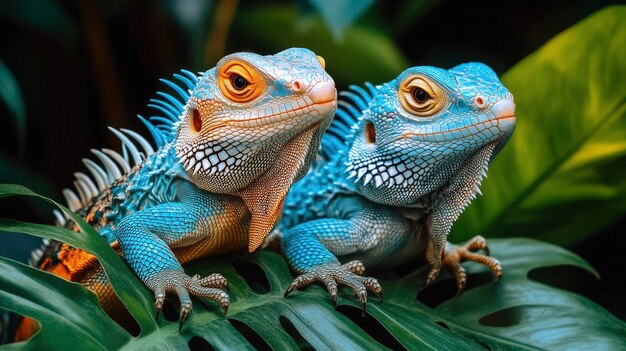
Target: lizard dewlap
point(399, 164)
point(229, 146)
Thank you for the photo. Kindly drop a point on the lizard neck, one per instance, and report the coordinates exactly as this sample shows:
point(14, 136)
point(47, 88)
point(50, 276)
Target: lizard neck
point(265, 196)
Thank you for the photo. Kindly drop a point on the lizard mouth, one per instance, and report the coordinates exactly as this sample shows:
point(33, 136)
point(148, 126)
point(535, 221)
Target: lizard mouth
point(318, 104)
point(506, 122)
point(502, 122)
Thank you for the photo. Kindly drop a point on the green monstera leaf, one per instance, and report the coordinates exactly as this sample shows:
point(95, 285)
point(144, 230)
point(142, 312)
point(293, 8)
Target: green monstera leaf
point(517, 313)
point(567, 157)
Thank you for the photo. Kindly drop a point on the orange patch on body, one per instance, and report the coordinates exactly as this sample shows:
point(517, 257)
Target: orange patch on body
point(77, 262)
point(27, 328)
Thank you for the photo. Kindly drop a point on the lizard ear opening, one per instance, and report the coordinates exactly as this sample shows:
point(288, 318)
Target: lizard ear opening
point(370, 133)
point(196, 120)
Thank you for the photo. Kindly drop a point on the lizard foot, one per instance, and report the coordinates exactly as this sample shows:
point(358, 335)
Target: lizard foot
point(454, 255)
point(332, 275)
point(212, 287)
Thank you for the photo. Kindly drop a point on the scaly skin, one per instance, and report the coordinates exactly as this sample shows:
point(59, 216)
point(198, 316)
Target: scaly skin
point(401, 162)
point(216, 183)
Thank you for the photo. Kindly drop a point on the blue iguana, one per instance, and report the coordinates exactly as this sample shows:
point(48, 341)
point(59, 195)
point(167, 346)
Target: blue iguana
point(399, 164)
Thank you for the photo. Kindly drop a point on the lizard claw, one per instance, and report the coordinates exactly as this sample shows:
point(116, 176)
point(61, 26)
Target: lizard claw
point(332, 275)
point(432, 275)
point(211, 287)
point(454, 255)
point(159, 296)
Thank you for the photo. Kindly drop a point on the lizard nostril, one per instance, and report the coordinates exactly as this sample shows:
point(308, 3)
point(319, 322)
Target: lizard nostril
point(297, 85)
point(480, 102)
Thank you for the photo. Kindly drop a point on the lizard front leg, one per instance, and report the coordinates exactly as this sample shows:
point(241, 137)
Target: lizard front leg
point(146, 238)
point(307, 248)
point(446, 208)
point(362, 231)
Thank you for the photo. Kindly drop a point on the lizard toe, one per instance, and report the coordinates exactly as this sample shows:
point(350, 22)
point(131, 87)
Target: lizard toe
point(214, 280)
point(334, 275)
point(331, 286)
point(351, 280)
point(218, 295)
point(432, 275)
point(355, 267)
point(477, 243)
point(301, 281)
point(159, 299)
point(454, 255)
point(373, 285)
point(185, 304)
point(459, 273)
point(184, 286)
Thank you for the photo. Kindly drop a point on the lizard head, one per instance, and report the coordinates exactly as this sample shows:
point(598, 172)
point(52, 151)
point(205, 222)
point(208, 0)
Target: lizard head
point(422, 127)
point(252, 127)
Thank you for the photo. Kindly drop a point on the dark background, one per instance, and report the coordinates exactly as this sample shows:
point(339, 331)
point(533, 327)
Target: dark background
point(84, 65)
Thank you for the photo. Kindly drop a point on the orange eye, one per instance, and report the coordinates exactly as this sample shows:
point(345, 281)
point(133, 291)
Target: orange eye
point(240, 82)
point(421, 96)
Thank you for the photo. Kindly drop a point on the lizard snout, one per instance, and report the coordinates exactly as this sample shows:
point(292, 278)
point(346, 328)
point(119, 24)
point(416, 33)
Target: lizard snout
point(323, 92)
point(504, 110)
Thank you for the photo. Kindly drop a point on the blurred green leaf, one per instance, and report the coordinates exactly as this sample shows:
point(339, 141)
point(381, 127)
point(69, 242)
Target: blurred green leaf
point(45, 16)
point(363, 54)
point(409, 12)
point(563, 174)
point(12, 97)
point(536, 315)
point(12, 171)
point(340, 14)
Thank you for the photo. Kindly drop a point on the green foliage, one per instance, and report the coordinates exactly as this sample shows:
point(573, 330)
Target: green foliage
point(562, 177)
point(12, 97)
point(43, 15)
point(69, 313)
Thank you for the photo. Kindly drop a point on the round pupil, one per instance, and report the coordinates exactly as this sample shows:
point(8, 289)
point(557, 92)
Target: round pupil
point(420, 95)
point(238, 81)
